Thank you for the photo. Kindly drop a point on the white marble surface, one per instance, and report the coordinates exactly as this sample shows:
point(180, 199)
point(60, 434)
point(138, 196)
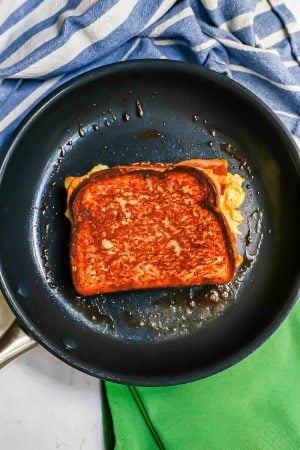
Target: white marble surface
point(46, 405)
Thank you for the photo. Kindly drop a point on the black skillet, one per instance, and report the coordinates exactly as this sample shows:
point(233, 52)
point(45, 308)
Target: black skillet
point(155, 337)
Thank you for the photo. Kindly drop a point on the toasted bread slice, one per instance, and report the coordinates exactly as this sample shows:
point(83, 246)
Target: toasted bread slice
point(150, 226)
point(229, 187)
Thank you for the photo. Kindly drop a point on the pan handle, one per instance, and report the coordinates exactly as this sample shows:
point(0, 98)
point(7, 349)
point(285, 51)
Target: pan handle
point(13, 343)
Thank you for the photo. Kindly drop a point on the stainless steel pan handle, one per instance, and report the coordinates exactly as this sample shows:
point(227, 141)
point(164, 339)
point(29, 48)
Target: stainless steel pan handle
point(13, 343)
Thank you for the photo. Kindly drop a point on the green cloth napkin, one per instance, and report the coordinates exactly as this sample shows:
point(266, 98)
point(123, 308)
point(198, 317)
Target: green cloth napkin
point(253, 405)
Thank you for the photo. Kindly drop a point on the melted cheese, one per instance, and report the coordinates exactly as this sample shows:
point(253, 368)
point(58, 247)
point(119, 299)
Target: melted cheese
point(231, 201)
point(71, 184)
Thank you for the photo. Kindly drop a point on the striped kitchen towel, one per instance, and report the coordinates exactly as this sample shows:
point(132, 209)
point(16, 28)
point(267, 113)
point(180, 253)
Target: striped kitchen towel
point(44, 43)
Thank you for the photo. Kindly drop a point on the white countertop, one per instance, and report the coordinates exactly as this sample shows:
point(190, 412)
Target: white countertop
point(47, 405)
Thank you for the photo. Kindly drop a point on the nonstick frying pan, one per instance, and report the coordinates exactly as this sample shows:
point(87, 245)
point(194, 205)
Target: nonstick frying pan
point(152, 337)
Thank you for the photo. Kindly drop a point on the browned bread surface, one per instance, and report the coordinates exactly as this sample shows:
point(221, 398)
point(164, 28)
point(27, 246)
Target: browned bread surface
point(215, 168)
point(145, 228)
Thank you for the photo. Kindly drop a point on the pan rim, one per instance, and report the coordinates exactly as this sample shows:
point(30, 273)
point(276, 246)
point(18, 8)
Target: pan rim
point(185, 68)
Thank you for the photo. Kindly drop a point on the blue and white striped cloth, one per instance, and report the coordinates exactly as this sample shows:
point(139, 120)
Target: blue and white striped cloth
point(44, 43)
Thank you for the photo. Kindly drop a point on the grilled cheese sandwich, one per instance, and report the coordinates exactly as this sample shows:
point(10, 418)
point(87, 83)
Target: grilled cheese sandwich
point(115, 212)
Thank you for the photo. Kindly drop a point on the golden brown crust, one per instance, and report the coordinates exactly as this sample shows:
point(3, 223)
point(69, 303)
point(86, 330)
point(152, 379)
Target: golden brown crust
point(183, 235)
point(215, 168)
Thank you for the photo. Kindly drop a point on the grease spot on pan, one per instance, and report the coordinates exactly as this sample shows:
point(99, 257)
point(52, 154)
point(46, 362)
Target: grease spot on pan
point(22, 289)
point(69, 343)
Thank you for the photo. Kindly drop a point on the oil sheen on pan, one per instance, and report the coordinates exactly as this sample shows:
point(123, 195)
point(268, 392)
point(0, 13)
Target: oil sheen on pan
point(168, 312)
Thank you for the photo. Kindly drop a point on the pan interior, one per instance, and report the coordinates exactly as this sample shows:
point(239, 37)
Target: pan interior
point(185, 114)
point(152, 314)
